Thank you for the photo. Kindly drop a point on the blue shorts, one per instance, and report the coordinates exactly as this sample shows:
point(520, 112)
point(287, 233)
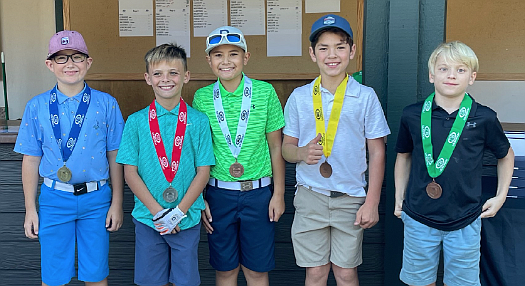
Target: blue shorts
point(242, 231)
point(422, 245)
point(65, 218)
point(160, 259)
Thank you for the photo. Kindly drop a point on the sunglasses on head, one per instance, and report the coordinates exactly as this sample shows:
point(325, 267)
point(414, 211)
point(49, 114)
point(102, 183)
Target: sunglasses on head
point(229, 37)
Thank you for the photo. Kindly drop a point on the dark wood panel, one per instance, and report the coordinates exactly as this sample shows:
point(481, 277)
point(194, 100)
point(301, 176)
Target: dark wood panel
point(7, 153)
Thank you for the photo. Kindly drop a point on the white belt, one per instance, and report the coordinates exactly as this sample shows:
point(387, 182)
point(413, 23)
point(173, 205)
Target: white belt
point(91, 186)
point(240, 185)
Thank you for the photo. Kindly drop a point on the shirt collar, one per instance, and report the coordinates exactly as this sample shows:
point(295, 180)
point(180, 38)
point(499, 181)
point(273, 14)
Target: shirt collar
point(237, 92)
point(473, 108)
point(61, 98)
point(353, 88)
point(163, 111)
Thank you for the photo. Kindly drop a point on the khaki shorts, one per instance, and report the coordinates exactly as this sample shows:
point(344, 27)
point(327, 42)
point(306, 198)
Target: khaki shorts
point(323, 229)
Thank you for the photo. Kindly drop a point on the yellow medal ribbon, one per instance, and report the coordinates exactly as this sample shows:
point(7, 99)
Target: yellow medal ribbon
point(328, 134)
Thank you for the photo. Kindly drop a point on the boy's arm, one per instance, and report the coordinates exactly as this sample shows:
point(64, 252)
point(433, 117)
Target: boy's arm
point(115, 216)
point(140, 190)
point(197, 185)
point(310, 153)
point(276, 207)
point(30, 184)
point(505, 170)
point(367, 215)
point(401, 176)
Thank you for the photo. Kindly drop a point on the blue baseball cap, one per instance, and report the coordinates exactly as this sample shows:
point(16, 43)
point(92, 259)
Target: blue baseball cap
point(329, 21)
point(225, 35)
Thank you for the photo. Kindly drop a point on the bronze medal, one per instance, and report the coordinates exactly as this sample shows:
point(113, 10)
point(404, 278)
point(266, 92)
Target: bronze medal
point(170, 194)
point(236, 169)
point(434, 190)
point(325, 169)
point(64, 174)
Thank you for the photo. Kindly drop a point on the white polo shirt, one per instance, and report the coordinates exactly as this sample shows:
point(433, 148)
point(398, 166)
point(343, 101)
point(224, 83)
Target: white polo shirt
point(361, 118)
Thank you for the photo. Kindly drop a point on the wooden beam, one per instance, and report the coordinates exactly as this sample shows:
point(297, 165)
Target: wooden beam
point(202, 77)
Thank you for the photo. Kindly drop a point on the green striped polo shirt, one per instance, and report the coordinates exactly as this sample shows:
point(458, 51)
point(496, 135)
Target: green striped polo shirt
point(266, 115)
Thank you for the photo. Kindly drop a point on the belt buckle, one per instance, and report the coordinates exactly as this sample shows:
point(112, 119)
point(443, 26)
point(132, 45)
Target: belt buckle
point(246, 186)
point(336, 194)
point(80, 189)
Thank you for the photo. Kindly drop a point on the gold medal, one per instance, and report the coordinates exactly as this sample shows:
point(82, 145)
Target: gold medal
point(434, 190)
point(64, 174)
point(325, 169)
point(170, 194)
point(236, 169)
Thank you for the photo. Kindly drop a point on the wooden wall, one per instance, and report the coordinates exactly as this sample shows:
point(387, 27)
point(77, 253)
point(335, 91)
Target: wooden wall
point(20, 256)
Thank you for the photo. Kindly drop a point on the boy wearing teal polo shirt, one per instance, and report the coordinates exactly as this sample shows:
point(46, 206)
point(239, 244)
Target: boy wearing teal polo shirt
point(166, 151)
point(245, 113)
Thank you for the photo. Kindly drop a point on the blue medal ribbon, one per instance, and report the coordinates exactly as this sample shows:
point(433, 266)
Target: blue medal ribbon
point(77, 122)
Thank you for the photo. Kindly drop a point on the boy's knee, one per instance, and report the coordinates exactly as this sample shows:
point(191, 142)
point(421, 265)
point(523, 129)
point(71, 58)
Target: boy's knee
point(254, 275)
point(348, 275)
point(227, 274)
point(318, 272)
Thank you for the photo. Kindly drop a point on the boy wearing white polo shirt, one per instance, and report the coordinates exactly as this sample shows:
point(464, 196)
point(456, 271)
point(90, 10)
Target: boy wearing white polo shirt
point(245, 113)
point(329, 125)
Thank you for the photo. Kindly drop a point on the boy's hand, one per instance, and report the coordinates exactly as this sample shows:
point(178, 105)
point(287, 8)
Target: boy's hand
point(398, 209)
point(367, 216)
point(312, 152)
point(206, 217)
point(114, 218)
point(31, 224)
point(166, 220)
point(276, 208)
point(492, 206)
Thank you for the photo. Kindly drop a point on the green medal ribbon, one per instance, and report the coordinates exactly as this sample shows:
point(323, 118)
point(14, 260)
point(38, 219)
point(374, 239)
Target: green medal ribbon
point(436, 168)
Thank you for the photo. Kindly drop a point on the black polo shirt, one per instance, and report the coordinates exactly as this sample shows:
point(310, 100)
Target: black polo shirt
point(460, 204)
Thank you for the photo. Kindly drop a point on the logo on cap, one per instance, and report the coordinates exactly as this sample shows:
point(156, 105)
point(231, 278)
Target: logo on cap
point(65, 40)
point(329, 20)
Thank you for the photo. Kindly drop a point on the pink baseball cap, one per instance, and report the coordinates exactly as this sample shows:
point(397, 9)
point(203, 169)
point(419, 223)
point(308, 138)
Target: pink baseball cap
point(66, 40)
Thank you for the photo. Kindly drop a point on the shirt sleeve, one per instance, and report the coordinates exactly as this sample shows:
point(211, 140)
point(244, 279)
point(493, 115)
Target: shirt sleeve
point(29, 139)
point(115, 125)
point(375, 121)
point(196, 101)
point(291, 118)
point(274, 118)
point(204, 154)
point(496, 140)
point(128, 151)
point(404, 138)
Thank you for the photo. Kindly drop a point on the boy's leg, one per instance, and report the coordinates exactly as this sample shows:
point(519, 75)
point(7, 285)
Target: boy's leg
point(256, 233)
point(92, 235)
point(224, 242)
point(461, 253)
point(317, 276)
point(311, 235)
point(227, 278)
point(254, 278)
point(57, 214)
point(152, 256)
point(422, 245)
point(346, 239)
point(184, 269)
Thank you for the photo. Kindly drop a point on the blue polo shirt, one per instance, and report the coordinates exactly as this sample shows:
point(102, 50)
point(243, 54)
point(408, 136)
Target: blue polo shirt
point(101, 132)
point(137, 149)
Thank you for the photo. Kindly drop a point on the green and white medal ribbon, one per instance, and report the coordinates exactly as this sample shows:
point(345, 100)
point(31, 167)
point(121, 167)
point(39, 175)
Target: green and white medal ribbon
point(436, 168)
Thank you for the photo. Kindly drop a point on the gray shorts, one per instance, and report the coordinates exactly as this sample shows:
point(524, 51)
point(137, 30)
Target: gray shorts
point(323, 229)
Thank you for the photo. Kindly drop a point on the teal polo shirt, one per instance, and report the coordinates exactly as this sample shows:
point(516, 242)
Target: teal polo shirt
point(137, 149)
point(266, 115)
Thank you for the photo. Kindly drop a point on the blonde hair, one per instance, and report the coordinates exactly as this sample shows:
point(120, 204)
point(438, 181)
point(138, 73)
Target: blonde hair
point(455, 51)
point(166, 52)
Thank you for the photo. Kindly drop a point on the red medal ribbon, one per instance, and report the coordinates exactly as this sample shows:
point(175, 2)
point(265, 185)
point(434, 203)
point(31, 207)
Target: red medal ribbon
point(169, 173)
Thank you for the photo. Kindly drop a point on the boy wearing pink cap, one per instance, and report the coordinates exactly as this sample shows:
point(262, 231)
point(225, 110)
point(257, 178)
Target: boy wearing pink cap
point(69, 135)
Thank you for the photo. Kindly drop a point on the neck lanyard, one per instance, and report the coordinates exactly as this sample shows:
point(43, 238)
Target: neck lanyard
point(235, 146)
point(435, 168)
point(169, 172)
point(77, 122)
point(328, 134)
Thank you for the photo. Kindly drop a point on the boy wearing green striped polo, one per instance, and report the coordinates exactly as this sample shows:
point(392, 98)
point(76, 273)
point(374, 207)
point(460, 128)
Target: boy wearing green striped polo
point(246, 119)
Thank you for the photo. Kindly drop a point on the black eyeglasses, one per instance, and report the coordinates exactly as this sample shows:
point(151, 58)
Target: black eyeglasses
point(76, 58)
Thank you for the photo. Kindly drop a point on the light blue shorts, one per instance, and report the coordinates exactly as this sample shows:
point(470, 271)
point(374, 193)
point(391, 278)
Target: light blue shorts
point(422, 246)
point(66, 220)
